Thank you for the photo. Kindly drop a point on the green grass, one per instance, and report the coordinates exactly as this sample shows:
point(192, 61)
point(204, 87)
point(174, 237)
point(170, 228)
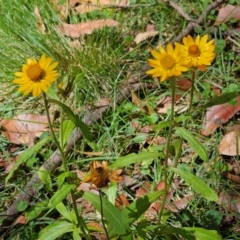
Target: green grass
point(98, 68)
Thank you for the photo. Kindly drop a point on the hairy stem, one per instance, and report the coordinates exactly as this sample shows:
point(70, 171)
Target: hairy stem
point(80, 223)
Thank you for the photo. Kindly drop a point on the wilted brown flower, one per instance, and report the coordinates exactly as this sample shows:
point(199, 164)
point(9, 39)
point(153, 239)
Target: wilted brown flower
point(100, 175)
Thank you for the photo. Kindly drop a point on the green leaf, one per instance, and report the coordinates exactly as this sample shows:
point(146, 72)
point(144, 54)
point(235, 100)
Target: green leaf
point(193, 142)
point(117, 222)
point(45, 177)
point(55, 230)
point(203, 234)
point(224, 98)
point(61, 178)
point(66, 128)
point(161, 125)
point(197, 184)
point(27, 154)
point(36, 210)
point(76, 120)
point(60, 195)
point(22, 205)
point(134, 210)
point(64, 212)
point(76, 235)
point(176, 146)
point(52, 93)
point(133, 158)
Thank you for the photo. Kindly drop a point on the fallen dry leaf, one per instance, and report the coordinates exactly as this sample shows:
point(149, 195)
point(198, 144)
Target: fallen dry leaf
point(218, 115)
point(21, 220)
point(77, 30)
point(144, 36)
point(142, 105)
point(230, 144)
point(121, 201)
point(164, 104)
point(232, 177)
point(24, 128)
point(226, 13)
point(179, 204)
point(184, 84)
point(103, 102)
point(62, 9)
point(230, 202)
point(40, 24)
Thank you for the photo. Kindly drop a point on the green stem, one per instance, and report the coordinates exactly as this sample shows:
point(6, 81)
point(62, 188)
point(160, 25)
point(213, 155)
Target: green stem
point(101, 209)
point(53, 133)
point(166, 187)
point(80, 223)
point(178, 153)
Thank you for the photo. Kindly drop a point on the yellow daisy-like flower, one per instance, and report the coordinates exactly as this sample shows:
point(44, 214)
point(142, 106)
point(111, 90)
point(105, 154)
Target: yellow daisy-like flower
point(36, 76)
point(199, 53)
point(101, 175)
point(167, 63)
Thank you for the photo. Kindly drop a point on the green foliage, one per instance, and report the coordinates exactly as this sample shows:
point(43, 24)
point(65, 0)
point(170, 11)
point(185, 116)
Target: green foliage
point(27, 154)
point(134, 210)
point(74, 118)
point(197, 184)
point(55, 230)
point(117, 221)
point(193, 142)
point(60, 195)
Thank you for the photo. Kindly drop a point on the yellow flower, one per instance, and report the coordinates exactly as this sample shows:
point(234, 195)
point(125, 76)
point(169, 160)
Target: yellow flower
point(100, 175)
point(36, 76)
point(167, 63)
point(199, 53)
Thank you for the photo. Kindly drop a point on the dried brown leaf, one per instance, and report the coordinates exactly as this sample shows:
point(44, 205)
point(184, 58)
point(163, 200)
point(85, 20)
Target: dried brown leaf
point(121, 201)
point(144, 36)
point(164, 104)
point(103, 102)
point(40, 24)
point(179, 204)
point(218, 115)
point(24, 128)
point(226, 13)
point(80, 29)
point(230, 202)
point(230, 144)
point(232, 177)
point(21, 220)
point(143, 190)
point(184, 84)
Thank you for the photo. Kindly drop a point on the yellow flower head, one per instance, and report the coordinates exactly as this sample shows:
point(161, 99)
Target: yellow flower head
point(100, 175)
point(36, 76)
point(199, 53)
point(167, 63)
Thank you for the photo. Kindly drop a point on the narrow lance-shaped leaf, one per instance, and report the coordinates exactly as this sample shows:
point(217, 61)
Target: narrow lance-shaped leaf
point(55, 230)
point(203, 234)
point(134, 210)
point(133, 158)
point(117, 222)
point(224, 98)
point(196, 184)
point(193, 142)
point(60, 195)
point(77, 121)
point(26, 155)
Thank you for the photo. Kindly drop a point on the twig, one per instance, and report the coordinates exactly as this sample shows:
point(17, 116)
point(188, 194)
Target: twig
point(51, 164)
point(119, 5)
point(180, 10)
point(191, 25)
